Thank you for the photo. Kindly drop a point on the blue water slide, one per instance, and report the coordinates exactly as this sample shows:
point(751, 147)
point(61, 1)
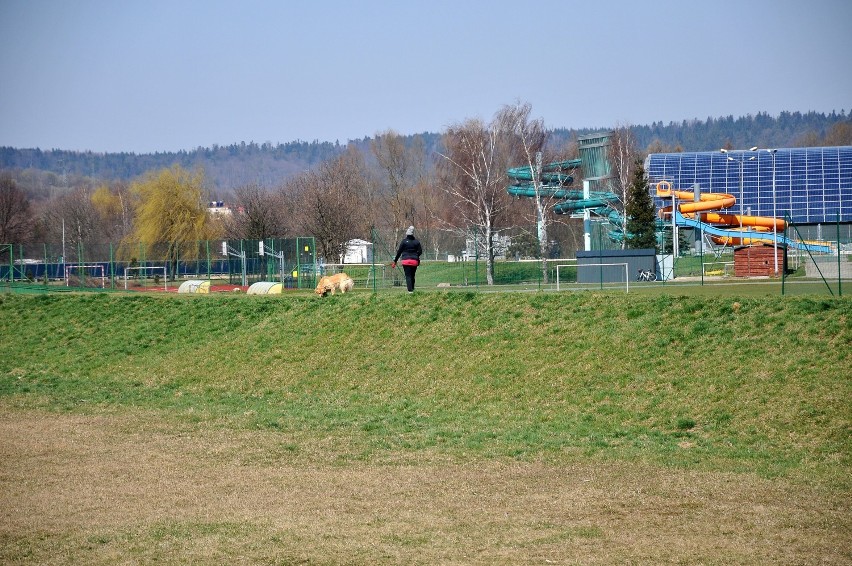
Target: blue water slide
point(768, 237)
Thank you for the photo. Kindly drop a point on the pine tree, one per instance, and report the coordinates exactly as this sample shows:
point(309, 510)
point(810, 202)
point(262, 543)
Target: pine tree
point(641, 216)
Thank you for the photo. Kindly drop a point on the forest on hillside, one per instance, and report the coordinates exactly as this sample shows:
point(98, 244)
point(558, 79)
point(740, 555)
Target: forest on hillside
point(267, 164)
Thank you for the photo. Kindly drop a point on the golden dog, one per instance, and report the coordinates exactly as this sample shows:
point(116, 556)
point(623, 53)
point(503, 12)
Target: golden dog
point(331, 283)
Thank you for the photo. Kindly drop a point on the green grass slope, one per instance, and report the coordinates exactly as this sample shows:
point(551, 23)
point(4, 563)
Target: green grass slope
point(734, 384)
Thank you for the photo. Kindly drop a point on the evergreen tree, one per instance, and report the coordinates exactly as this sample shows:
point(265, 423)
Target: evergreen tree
point(641, 216)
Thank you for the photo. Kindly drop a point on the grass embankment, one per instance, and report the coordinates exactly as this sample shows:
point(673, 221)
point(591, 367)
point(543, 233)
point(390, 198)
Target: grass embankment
point(471, 388)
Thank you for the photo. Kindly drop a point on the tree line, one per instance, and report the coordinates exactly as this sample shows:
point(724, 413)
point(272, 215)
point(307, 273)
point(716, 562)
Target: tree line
point(448, 186)
point(231, 166)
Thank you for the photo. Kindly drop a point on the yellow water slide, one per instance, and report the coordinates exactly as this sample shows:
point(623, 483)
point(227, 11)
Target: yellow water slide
point(700, 210)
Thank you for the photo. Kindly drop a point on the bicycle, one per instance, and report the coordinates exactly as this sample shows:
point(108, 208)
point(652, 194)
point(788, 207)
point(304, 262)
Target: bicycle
point(646, 275)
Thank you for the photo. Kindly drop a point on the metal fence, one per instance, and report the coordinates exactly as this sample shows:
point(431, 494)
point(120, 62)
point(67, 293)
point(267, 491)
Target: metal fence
point(290, 261)
point(450, 260)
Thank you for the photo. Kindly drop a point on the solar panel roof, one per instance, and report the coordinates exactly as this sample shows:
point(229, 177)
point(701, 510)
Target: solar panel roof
point(809, 185)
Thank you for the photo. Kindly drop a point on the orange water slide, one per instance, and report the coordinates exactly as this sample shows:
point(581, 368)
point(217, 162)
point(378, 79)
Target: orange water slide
point(691, 208)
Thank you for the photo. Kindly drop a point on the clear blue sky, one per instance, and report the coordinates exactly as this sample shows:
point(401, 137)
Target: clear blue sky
point(165, 75)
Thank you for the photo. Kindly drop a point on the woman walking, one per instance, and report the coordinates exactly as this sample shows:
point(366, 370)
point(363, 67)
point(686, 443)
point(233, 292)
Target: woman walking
point(409, 250)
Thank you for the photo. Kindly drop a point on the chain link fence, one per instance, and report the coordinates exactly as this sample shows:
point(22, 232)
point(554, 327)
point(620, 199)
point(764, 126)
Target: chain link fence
point(235, 263)
point(451, 259)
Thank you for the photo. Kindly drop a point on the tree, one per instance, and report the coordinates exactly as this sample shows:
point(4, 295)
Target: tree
point(259, 214)
point(405, 193)
point(641, 215)
point(473, 175)
point(531, 139)
point(402, 166)
point(16, 220)
point(71, 219)
point(525, 245)
point(114, 207)
point(622, 156)
point(330, 203)
point(171, 210)
point(839, 134)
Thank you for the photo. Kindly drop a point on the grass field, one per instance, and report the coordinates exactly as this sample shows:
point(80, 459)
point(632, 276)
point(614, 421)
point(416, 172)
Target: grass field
point(445, 427)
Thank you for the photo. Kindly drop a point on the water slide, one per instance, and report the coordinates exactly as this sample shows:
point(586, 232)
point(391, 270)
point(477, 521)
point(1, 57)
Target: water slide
point(556, 179)
point(725, 228)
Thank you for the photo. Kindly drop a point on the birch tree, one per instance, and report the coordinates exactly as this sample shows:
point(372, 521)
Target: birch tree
point(72, 220)
point(623, 159)
point(475, 158)
point(530, 136)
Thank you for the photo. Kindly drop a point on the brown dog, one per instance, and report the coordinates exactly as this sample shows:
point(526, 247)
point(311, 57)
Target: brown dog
point(331, 283)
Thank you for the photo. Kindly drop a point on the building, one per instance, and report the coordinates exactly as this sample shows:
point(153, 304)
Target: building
point(811, 186)
point(358, 251)
point(759, 260)
point(218, 208)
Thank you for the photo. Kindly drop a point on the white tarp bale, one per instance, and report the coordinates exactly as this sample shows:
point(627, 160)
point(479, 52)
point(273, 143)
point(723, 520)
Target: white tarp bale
point(194, 286)
point(265, 288)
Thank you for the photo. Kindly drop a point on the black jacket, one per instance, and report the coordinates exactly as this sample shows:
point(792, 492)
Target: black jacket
point(409, 248)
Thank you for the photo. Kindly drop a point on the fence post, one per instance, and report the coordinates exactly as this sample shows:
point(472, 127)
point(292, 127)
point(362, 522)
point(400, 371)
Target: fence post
point(786, 254)
point(80, 263)
point(373, 256)
point(839, 279)
point(476, 255)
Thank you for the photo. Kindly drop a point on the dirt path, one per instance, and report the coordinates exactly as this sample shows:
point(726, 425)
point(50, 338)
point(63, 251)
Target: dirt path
point(107, 490)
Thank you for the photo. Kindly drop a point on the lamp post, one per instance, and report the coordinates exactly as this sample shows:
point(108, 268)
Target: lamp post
point(742, 181)
point(774, 215)
point(772, 153)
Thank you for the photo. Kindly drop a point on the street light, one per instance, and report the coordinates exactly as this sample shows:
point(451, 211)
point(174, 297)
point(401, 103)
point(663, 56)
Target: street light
point(742, 165)
point(774, 215)
point(772, 153)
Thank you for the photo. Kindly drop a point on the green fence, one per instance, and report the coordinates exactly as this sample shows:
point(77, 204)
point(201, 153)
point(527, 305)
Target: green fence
point(290, 261)
point(450, 260)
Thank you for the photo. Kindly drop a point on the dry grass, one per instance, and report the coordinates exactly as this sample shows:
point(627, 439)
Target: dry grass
point(130, 489)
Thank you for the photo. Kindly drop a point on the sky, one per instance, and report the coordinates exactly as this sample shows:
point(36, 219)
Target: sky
point(168, 75)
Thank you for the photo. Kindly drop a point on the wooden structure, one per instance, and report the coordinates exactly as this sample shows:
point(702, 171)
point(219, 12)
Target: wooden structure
point(758, 261)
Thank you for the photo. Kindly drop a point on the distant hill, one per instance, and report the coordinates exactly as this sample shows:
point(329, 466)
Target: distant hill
point(228, 166)
point(267, 165)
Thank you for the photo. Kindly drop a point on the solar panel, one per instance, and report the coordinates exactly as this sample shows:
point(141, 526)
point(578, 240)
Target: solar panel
point(809, 185)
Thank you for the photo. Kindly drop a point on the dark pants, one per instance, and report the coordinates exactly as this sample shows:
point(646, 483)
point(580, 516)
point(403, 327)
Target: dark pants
point(409, 270)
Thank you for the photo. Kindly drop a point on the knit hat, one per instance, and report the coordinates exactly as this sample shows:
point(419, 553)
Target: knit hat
point(410, 231)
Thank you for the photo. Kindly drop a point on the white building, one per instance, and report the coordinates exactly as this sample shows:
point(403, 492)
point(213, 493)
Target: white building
point(358, 251)
point(218, 208)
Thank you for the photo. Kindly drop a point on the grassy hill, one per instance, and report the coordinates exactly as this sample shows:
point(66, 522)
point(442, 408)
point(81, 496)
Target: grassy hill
point(751, 390)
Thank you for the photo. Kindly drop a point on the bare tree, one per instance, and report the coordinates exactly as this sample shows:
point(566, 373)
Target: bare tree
point(839, 134)
point(259, 214)
point(403, 186)
point(476, 157)
point(623, 158)
point(531, 137)
point(72, 220)
point(16, 222)
point(114, 206)
point(331, 204)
